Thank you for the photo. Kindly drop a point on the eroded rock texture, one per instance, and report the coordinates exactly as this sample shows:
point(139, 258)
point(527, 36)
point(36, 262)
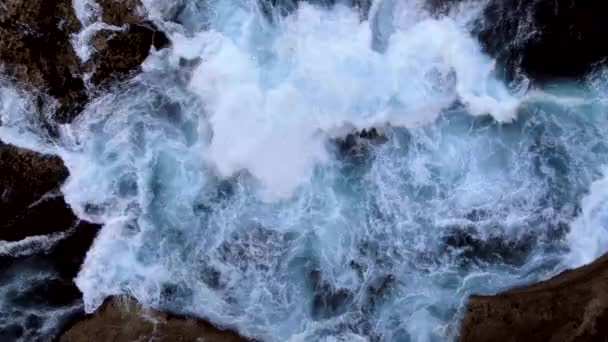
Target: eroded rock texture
point(122, 319)
point(572, 306)
point(35, 51)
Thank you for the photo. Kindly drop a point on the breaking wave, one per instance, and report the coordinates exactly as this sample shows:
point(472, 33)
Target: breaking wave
point(319, 175)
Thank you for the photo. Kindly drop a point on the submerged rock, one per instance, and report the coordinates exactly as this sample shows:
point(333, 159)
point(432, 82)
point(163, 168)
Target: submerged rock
point(123, 319)
point(121, 12)
point(37, 291)
point(356, 145)
point(545, 39)
point(572, 306)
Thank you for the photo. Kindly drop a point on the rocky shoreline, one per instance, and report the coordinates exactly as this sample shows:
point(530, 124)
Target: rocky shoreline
point(37, 55)
point(572, 306)
point(123, 319)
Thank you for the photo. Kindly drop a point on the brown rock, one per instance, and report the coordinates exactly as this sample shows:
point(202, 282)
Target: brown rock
point(30, 203)
point(121, 12)
point(572, 306)
point(35, 50)
point(123, 319)
point(118, 53)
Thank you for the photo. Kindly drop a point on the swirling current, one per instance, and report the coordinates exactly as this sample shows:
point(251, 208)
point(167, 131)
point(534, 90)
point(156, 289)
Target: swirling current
point(316, 174)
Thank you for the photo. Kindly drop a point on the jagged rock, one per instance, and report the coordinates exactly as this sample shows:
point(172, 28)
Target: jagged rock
point(118, 53)
point(30, 203)
point(356, 145)
point(35, 51)
point(546, 39)
point(39, 287)
point(473, 249)
point(123, 319)
point(572, 306)
point(121, 12)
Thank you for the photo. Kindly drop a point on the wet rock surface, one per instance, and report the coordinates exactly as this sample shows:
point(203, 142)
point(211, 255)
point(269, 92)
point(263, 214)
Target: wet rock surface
point(572, 306)
point(118, 53)
point(35, 51)
point(545, 39)
point(121, 12)
point(123, 319)
point(30, 201)
point(38, 294)
point(42, 246)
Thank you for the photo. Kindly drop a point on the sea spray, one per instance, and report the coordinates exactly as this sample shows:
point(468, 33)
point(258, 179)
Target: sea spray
point(224, 193)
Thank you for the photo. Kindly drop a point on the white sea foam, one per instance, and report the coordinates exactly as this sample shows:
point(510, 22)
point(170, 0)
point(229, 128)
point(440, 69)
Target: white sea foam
point(224, 195)
point(306, 85)
point(588, 237)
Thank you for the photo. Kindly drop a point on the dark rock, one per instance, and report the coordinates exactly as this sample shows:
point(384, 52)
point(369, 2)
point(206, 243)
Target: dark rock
point(328, 301)
point(545, 39)
point(470, 248)
point(356, 144)
point(36, 52)
point(30, 203)
point(572, 306)
point(118, 53)
point(40, 287)
point(121, 12)
point(122, 319)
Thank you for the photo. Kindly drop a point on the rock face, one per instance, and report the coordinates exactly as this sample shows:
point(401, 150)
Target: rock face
point(30, 203)
point(120, 52)
point(38, 289)
point(546, 39)
point(35, 50)
point(117, 53)
point(121, 12)
point(123, 319)
point(572, 306)
point(37, 277)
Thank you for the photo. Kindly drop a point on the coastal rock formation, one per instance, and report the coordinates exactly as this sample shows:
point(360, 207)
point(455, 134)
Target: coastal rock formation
point(117, 53)
point(572, 306)
point(35, 51)
point(120, 52)
point(30, 202)
point(42, 243)
point(38, 293)
point(122, 319)
point(121, 12)
point(545, 39)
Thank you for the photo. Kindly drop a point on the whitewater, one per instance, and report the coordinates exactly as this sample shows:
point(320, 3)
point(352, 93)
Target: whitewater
point(233, 184)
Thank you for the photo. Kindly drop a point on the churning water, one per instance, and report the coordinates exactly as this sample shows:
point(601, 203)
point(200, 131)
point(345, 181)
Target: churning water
point(229, 186)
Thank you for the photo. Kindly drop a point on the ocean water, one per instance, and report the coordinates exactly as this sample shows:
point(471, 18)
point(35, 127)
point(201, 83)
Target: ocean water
point(231, 187)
